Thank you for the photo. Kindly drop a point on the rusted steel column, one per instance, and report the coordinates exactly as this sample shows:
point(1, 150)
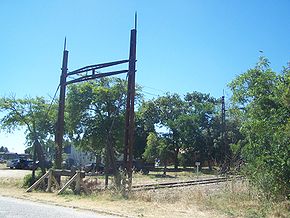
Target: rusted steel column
point(129, 119)
point(132, 67)
point(60, 119)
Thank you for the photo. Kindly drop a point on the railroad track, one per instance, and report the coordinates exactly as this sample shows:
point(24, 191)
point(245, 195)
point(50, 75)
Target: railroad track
point(183, 183)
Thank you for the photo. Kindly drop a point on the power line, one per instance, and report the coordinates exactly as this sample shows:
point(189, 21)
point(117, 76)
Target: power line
point(149, 93)
point(52, 100)
point(149, 87)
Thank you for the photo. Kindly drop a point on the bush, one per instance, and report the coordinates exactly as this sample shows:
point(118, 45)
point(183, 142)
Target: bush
point(27, 180)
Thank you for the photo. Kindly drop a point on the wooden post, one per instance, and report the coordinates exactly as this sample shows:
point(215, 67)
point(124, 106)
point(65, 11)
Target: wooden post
point(78, 183)
point(49, 182)
point(55, 182)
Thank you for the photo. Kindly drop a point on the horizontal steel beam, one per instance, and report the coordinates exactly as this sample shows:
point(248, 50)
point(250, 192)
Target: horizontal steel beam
point(96, 66)
point(95, 76)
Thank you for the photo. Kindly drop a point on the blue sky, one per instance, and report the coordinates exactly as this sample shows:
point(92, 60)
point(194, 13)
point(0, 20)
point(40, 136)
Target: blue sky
point(182, 45)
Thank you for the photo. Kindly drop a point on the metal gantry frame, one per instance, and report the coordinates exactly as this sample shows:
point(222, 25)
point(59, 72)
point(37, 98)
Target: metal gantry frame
point(91, 73)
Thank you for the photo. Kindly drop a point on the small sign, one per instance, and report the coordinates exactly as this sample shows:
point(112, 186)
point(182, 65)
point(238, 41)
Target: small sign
point(197, 163)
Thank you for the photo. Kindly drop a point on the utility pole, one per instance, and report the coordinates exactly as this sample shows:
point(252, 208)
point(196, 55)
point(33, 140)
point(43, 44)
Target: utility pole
point(60, 119)
point(225, 147)
point(223, 120)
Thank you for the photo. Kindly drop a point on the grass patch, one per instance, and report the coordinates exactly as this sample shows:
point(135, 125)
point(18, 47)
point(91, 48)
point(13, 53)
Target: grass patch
point(10, 182)
point(3, 165)
point(231, 199)
point(235, 199)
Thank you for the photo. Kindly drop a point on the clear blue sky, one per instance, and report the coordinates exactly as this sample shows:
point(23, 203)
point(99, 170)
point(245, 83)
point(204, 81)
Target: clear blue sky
point(182, 45)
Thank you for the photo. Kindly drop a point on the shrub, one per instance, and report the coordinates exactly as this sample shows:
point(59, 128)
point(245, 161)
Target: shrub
point(27, 180)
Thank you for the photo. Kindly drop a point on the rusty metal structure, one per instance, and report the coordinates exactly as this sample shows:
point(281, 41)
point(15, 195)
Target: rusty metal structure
point(223, 119)
point(88, 73)
point(225, 146)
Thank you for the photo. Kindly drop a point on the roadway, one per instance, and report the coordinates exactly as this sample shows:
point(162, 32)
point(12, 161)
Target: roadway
point(19, 208)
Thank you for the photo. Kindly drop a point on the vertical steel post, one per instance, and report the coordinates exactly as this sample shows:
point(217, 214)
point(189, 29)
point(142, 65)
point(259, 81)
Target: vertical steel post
point(60, 119)
point(132, 71)
point(225, 148)
point(223, 129)
point(130, 116)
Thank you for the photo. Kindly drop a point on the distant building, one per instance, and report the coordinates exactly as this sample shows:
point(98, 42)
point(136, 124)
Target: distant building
point(78, 158)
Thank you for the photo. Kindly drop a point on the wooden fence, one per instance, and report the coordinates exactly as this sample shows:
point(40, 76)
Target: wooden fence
point(51, 176)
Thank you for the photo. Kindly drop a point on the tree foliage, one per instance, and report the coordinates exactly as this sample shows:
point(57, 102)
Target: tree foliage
point(33, 114)
point(4, 149)
point(263, 96)
point(151, 152)
point(96, 109)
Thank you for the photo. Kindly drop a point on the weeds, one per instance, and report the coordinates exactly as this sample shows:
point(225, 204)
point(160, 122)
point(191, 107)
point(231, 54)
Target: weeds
point(10, 182)
point(235, 199)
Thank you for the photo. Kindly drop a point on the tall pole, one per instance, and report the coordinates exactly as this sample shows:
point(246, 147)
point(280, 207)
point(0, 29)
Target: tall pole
point(60, 119)
point(130, 116)
point(225, 148)
point(223, 119)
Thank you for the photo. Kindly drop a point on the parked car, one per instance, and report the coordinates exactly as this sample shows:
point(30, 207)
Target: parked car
point(12, 163)
point(32, 166)
point(18, 163)
point(142, 166)
point(95, 168)
point(26, 164)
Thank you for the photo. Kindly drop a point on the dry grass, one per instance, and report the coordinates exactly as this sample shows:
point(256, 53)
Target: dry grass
point(238, 199)
point(107, 201)
point(232, 199)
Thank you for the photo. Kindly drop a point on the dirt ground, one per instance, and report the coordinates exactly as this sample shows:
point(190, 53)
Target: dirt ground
point(15, 174)
point(141, 205)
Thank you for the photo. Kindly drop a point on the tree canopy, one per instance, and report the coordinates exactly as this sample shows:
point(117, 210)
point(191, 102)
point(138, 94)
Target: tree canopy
point(261, 98)
point(35, 115)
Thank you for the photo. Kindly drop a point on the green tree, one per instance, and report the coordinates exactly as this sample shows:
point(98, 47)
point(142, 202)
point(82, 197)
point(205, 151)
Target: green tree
point(145, 120)
point(169, 108)
point(263, 97)
point(95, 120)
point(31, 114)
point(166, 151)
point(95, 110)
point(202, 112)
point(159, 147)
point(4, 149)
point(151, 150)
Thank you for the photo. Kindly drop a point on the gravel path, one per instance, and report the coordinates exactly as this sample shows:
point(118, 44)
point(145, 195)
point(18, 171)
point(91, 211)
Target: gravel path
point(15, 174)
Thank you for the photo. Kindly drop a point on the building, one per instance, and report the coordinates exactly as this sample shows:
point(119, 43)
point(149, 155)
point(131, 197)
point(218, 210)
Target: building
point(78, 158)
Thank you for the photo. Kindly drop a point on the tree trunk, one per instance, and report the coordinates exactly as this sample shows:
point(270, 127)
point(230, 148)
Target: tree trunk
point(112, 160)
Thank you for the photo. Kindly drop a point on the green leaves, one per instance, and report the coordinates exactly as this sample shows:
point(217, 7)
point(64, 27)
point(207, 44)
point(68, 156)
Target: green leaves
point(96, 109)
point(152, 148)
point(263, 95)
point(33, 114)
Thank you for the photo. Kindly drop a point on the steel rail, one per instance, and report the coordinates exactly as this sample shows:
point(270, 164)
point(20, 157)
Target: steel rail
point(182, 183)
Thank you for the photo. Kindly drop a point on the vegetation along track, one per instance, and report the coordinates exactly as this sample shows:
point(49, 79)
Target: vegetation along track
point(183, 183)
